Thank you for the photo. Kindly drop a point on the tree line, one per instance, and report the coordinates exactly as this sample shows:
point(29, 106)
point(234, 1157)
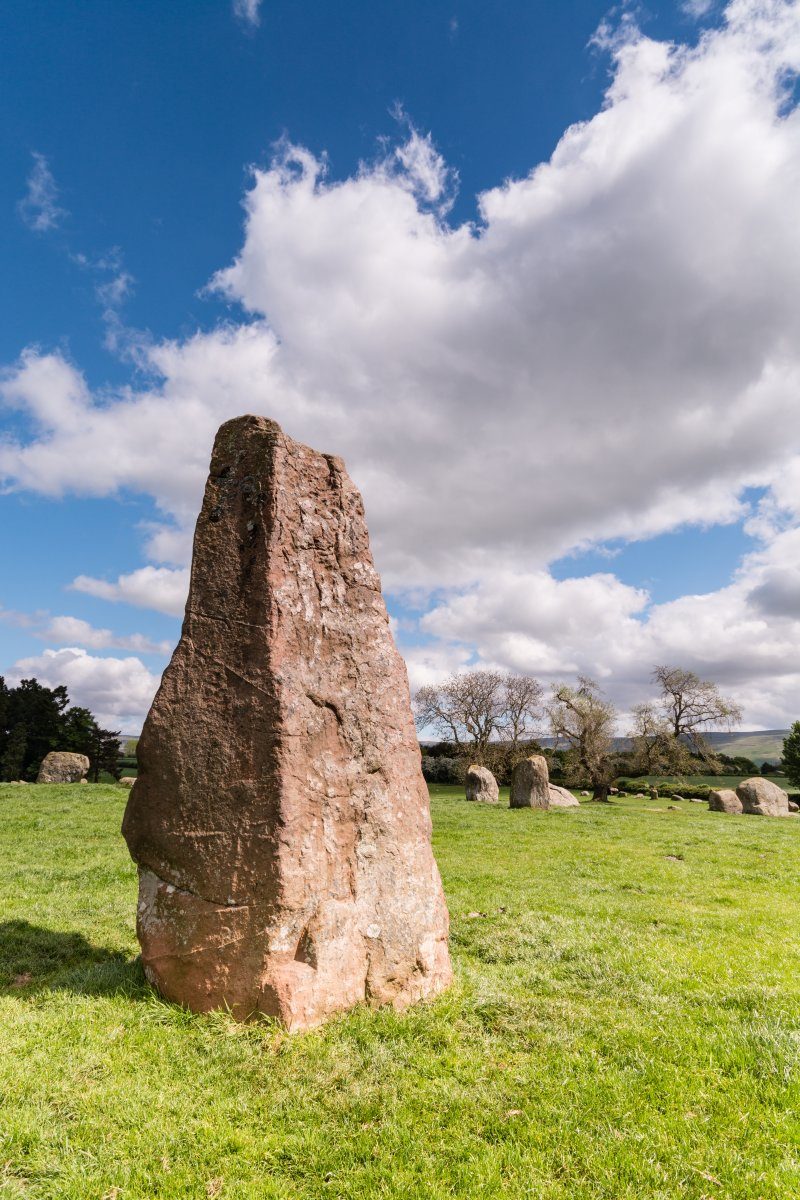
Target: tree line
point(35, 719)
point(492, 717)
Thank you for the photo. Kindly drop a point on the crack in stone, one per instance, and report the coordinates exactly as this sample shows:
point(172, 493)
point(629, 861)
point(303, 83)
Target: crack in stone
point(191, 612)
point(184, 891)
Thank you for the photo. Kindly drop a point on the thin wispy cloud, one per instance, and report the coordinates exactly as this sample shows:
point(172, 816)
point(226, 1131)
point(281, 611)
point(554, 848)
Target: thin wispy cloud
point(72, 631)
point(697, 8)
point(113, 287)
point(39, 207)
point(248, 11)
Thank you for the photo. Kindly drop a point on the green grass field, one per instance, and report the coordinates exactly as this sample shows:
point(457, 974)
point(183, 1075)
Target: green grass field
point(713, 781)
point(625, 1024)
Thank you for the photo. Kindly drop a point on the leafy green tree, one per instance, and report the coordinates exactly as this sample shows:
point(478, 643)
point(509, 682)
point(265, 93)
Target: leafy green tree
point(791, 754)
point(12, 764)
point(40, 710)
point(79, 729)
point(3, 715)
point(104, 753)
point(35, 719)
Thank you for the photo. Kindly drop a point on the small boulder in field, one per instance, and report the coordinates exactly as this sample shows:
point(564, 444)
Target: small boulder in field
point(530, 783)
point(127, 780)
point(762, 798)
point(724, 800)
point(481, 785)
point(562, 798)
point(793, 806)
point(62, 766)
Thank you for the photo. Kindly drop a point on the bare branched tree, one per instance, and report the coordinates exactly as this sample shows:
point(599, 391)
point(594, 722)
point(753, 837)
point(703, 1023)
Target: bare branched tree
point(655, 750)
point(476, 709)
point(524, 698)
point(690, 705)
point(583, 720)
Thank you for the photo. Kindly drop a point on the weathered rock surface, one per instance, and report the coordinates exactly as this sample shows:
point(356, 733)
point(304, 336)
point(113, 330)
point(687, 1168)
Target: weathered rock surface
point(561, 797)
point(724, 800)
point(280, 819)
point(794, 806)
point(481, 785)
point(763, 798)
point(62, 766)
point(530, 783)
point(127, 780)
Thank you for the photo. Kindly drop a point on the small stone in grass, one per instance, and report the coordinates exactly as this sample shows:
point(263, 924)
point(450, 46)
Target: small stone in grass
point(471, 916)
point(22, 980)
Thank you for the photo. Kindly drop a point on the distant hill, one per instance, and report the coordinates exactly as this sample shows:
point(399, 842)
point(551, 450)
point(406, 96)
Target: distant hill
point(762, 745)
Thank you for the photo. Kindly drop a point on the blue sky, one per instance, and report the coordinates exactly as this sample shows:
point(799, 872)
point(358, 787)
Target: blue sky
point(133, 130)
point(138, 108)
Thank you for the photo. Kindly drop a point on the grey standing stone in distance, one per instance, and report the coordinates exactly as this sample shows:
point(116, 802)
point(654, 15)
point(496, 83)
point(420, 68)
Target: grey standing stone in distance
point(481, 785)
point(561, 797)
point(62, 766)
point(762, 798)
point(530, 783)
point(724, 800)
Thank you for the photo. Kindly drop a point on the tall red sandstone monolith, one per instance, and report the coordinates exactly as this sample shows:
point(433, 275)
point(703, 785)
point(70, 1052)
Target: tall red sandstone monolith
point(280, 819)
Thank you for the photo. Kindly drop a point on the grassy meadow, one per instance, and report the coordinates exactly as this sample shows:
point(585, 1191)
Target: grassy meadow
point(712, 781)
point(625, 1024)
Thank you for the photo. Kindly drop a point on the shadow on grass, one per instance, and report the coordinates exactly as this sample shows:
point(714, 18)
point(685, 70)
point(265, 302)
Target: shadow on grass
point(33, 959)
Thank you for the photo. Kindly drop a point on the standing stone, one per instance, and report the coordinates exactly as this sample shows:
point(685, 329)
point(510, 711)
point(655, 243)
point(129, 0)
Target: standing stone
point(762, 798)
point(724, 800)
point(530, 783)
point(481, 785)
point(561, 797)
point(62, 766)
point(280, 819)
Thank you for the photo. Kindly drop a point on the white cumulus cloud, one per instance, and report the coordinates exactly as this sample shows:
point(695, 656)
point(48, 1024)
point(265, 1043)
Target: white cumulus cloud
point(611, 350)
point(118, 691)
point(66, 630)
point(163, 589)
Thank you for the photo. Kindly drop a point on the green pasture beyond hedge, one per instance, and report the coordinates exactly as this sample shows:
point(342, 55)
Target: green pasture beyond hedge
point(624, 1024)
